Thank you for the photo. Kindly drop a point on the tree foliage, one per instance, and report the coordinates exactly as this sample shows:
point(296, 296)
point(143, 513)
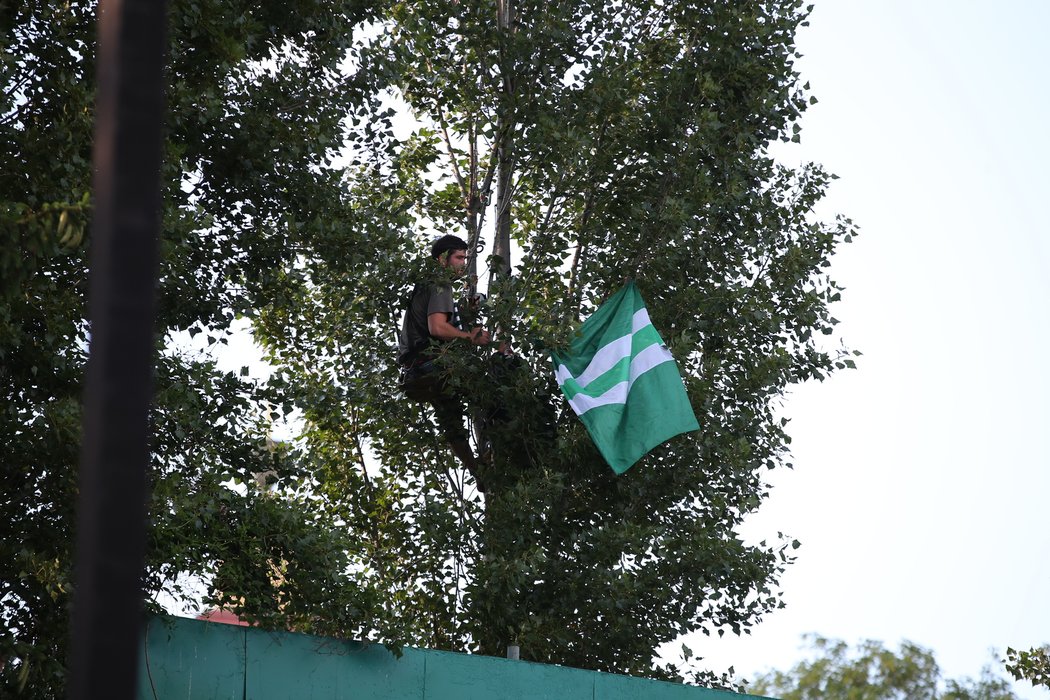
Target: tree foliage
point(1032, 665)
point(609, 140)
point(872, 672)
point(633, 140)
point(255, 92)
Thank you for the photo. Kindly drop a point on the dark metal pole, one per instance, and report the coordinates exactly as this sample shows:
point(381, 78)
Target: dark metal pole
point(111, 516)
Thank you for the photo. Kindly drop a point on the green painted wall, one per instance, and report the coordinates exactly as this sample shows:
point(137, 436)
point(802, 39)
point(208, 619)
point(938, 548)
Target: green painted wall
point(183, 659)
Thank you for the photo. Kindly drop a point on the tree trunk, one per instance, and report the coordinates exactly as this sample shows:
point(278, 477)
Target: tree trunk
point(505, 183)
point(474, 206)
point(505, 150)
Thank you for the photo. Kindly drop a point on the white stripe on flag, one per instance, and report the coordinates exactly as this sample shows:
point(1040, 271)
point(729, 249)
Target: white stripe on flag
point(640, 320)
point(650, 357)
point(608, 355)
point(581, 403)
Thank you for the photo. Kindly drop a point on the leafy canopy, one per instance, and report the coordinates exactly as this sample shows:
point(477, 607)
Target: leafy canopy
point(608, 140)
point(618, 140)
point(870, 671)
point(255, 91)
point(1032, 665)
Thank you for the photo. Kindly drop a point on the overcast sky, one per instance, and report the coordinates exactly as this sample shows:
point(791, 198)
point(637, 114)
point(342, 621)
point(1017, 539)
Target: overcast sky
point(921, 479)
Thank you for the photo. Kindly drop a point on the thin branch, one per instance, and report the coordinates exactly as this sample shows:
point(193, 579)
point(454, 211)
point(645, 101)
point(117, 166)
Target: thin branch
point(457, 491)
point(361, 453)
point(588, 207)
point(556, 194)
point(452, 154)
point(668, 179)
point(528, 275)
point(581, 252)
point(486, 187)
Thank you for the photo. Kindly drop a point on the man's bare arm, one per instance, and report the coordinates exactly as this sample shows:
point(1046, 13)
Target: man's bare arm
point(439, 327)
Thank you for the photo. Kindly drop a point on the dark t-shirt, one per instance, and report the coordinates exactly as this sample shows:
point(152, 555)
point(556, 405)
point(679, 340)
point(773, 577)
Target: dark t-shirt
point(415, 335)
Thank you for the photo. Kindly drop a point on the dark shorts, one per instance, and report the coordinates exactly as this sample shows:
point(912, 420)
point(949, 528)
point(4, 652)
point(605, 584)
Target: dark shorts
point(425, 382)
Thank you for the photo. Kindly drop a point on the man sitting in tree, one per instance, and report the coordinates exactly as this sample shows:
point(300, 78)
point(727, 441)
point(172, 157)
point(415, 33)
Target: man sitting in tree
point(433, 319)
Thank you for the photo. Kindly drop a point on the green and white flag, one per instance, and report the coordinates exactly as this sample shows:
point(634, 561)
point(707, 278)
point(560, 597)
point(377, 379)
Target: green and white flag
point(622, 382)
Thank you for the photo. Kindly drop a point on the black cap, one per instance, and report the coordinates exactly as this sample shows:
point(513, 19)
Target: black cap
point(445, 244)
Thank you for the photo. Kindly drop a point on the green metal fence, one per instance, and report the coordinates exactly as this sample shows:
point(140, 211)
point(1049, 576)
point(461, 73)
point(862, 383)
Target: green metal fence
point(184, 658)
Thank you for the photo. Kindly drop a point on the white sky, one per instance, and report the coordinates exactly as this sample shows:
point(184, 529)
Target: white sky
point(920, 484)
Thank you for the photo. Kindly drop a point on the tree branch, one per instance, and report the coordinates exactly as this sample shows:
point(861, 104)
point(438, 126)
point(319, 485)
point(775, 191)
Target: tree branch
point(452, 155)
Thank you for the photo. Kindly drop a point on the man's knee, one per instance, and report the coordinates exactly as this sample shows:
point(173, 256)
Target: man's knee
point(421, 382)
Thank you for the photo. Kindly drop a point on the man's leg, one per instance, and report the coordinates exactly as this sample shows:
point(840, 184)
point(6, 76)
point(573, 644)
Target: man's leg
point(461, 448)
point(449, 413)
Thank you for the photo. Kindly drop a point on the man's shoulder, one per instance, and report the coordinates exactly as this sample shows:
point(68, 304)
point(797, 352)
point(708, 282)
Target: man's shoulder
point(439, 299)
point(440, 289)
point(430, 288)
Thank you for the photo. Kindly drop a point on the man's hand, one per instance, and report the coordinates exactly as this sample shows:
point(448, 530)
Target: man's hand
point(439, 327)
